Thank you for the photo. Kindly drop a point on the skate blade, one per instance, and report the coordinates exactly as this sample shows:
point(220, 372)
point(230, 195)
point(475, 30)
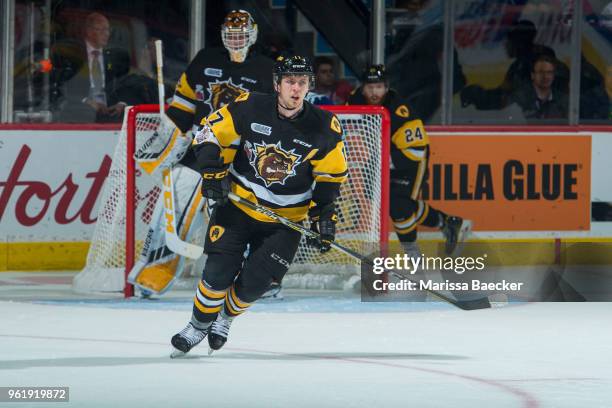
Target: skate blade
point(210, 351)
point(466, 228)
point(464, 232)
point(176, 353)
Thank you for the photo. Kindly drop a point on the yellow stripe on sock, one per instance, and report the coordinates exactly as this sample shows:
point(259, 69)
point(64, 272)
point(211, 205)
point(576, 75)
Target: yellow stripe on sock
point(237, 301)
point(205, 309)
point(211, 293)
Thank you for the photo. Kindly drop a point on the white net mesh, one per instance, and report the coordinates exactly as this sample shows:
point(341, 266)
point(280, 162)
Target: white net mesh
point(359, 225)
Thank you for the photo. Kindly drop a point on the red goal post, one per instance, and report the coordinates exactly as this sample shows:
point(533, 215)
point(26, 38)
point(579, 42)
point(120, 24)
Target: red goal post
point(363, 203)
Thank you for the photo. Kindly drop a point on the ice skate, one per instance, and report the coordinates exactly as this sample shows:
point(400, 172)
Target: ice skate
point(274, 292)
point(455, 230)
point(218, 333)
point(413, 250)
point(187, 339)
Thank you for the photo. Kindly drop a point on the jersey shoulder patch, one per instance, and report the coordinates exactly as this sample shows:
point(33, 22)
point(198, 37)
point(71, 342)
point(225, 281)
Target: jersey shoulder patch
point(335, 125)
point(402, 111)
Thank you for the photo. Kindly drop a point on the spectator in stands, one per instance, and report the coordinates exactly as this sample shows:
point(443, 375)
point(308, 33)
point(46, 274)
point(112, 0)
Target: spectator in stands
point(85, 74)
point(594, 96)
point(139, 86)
point(326, 83)
point(520, 45)
point(415, 45)
point(538, 99)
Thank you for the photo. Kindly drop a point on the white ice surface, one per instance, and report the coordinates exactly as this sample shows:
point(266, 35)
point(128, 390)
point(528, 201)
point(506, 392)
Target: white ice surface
point(114, 353)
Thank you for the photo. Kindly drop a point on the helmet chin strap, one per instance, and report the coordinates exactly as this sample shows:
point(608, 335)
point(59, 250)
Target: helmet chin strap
point(285, 107)
point(294, 111)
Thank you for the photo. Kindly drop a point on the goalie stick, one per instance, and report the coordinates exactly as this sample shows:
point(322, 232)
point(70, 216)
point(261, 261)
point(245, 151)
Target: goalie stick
point(474, 304)
point(173, 242)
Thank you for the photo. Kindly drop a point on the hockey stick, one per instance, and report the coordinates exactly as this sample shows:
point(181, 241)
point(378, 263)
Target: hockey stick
point(475, 304)
point(173, 242)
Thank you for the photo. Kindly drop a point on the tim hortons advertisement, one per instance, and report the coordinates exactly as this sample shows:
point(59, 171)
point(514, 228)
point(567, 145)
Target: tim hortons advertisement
point(513, 182)
point(50, 182)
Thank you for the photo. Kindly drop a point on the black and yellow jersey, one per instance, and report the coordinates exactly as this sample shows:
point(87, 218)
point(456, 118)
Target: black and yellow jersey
point(409, 140)
point(211, 80)
point(283, 164)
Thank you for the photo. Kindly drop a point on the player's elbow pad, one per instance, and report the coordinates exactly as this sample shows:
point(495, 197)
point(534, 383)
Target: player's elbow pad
point(325, 193)
point(183, 120)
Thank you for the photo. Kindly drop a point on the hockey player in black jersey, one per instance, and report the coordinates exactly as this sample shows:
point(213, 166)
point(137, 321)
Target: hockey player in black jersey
point(280, 152)
point(409, 157)
point(217, 76)
point(214, 78)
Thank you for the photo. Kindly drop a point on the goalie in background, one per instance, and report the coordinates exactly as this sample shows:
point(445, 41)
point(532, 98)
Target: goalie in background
point(409, 157)
point(214, 78)
point(286, 155)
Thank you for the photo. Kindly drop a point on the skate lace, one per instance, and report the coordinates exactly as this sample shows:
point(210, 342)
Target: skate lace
point(221, 327)
point(192, 335)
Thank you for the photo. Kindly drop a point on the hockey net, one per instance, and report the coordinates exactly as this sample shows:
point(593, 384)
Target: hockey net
point(129, 198)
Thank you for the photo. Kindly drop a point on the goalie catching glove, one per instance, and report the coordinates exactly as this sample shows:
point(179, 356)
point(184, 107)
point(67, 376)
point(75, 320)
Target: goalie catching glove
point(215, 181)
point(323, 221)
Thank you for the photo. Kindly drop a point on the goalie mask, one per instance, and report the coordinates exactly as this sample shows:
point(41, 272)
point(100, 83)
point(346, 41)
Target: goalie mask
point(295, 65)
point(238, 33)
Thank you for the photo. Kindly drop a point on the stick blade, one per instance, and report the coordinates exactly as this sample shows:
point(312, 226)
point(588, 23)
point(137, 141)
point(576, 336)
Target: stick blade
point(474, 304)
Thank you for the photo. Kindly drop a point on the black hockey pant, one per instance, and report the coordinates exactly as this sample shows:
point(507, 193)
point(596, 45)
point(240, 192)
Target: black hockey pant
point(407, 210)
point(229, 281)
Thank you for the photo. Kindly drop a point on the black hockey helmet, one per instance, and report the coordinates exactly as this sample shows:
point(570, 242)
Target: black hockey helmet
point(294, 65)
point(373, 74)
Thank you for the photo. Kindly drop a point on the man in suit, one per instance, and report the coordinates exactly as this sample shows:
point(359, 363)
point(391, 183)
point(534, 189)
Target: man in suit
point(85, 75)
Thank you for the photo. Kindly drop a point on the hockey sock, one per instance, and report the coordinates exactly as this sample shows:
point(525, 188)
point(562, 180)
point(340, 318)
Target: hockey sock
point(434, 219)
point(233, 305)
point(405, 226)
point(410, 236)
point(207, 302)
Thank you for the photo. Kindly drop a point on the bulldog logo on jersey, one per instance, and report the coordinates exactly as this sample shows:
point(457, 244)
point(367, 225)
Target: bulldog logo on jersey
point(272, 163)
point(215, 232)
point(220, 93)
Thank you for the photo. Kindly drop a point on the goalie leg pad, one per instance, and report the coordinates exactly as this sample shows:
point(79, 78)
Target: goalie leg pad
point(158, 267)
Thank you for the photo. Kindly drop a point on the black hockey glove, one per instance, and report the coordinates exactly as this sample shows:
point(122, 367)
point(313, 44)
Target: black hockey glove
point(215, 181)
point(323, 221)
